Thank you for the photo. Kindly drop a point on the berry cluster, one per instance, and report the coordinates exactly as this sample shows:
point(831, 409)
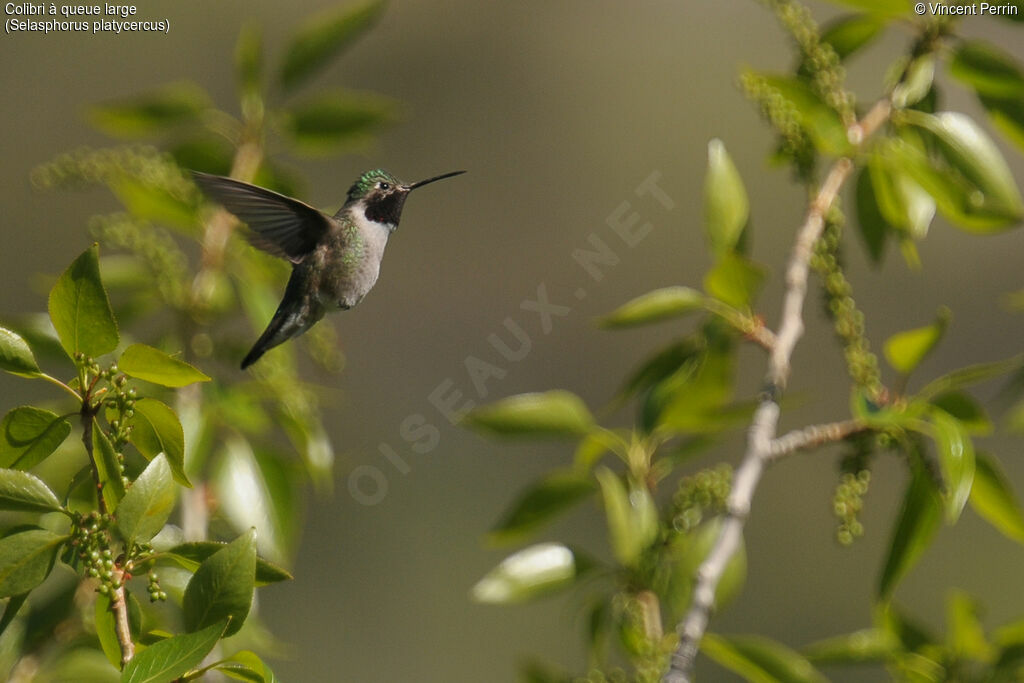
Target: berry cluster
point(155, 592)
point(847, 504)
point(90, 548)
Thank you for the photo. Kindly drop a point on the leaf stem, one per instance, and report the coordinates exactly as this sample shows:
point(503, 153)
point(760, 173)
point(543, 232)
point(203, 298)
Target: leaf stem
point(65, 387)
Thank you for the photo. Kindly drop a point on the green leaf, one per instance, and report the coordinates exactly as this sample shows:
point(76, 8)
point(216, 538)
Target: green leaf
point(917, 522)
point(153, 365)
point(14, 604)
point(956, 196)
point(1007, 115)
point(655, 306)
point(965, 409)
point(29, 436)
point(873, 227)
point(916, 83)
point(106, 630)
point(527, 574)
point(155, 430)
point(687, 552)
point(986, 68)
point(335, 119)
point(148, 503)
point(993, 499)
point(972, 374)
point(906, 350)
point(956, 457)
point(151, 113)
point(632, 517)
point(698, 397)
point(323, 37)
point(249, 59)
point(15, 355)
point(661, 365)
point(205, 152)
point(849, 34)
point(901, 201)
point(26, 558)
point(726, 207)
point(24, 492)
point(735, 280)
point(251, 493)
point(820, 121)
point(223, 586)
point(965, 634)
point(80, 309)
point(540, 503)
point(154, 202)
point(555, 413)
point(191, 555)
point(759, 659)
point(860, 647)
point(910, 635)
point(168, 659)
point(108, 468)
point(968, 149)
point(246, 666)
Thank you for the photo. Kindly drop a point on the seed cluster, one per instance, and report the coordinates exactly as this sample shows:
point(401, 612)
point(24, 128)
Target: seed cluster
point(819, 64)
point(782, 115)
point(701, 494)
point(848, 320)
point(156, 250)
point(847, 504)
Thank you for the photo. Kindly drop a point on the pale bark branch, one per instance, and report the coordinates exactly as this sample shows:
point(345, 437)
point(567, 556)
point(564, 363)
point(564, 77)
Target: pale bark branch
point(761, 437)
point(812, 437)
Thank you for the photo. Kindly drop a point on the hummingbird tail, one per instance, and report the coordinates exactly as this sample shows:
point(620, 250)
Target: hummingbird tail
point(296, 314)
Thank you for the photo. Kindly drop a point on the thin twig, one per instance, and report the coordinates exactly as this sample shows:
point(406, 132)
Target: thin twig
point(122, 627)
point(812, 437)
point(761, 437)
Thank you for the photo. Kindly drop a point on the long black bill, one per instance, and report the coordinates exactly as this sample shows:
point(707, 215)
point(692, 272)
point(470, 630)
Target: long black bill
point(430, 180)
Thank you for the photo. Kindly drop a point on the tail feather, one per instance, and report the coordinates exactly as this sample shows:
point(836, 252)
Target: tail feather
point(297, 312)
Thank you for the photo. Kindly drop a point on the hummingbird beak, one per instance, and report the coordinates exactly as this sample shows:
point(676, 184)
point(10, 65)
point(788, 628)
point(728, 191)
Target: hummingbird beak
point(421, 183)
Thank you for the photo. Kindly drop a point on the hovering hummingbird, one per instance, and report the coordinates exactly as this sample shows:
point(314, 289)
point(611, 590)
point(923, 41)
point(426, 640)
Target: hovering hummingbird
point(336, 259)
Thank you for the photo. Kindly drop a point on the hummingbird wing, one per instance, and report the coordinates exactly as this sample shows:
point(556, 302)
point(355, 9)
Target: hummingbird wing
point(281, 226)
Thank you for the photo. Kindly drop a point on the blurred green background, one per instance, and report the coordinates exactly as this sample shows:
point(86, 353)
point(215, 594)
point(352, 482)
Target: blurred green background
point(558, 111)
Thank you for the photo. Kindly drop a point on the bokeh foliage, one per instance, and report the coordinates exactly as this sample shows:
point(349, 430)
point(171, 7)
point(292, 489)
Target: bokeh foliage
point(663, 512)
point(221, 453)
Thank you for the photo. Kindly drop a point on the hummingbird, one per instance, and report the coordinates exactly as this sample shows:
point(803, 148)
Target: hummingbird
point(335, 259)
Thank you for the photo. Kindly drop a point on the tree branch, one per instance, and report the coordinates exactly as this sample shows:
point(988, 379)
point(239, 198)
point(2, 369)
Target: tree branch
point(122, 627)
point(812, 437)
point(761, 438)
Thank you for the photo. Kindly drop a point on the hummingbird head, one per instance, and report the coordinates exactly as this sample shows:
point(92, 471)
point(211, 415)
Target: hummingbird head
point(383, 195)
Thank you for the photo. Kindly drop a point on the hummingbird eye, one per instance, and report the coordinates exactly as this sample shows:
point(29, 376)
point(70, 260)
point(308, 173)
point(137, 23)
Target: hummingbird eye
point(384, 186)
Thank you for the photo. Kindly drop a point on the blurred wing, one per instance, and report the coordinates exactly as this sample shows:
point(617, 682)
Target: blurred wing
point(281, 226)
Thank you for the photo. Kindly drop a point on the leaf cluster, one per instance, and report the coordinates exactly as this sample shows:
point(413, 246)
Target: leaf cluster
point(912, 161)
